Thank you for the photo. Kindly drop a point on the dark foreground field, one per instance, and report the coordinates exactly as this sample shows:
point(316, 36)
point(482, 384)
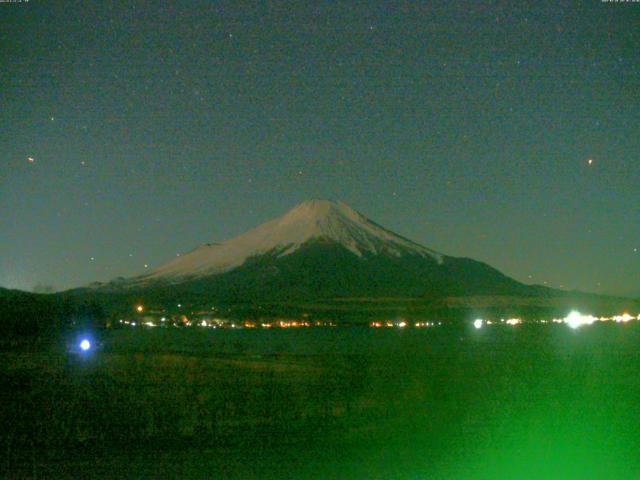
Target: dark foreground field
point(347, 403)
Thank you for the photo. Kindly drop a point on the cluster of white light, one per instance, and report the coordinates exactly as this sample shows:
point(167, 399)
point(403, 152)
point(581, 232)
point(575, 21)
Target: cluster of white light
point(479, 322)
point(625, 317)
point(398, 324)
point(575, 319)
point(424, 324)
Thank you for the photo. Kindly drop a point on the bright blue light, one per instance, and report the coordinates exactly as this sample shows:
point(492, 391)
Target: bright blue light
point(85, 344)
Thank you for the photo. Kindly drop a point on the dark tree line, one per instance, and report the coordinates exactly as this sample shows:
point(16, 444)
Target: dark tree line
point(28, 317)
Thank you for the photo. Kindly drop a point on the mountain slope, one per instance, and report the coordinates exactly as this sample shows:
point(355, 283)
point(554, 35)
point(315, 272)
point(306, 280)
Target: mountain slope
point(324, 269)
point(318, 250)
point(315, 219)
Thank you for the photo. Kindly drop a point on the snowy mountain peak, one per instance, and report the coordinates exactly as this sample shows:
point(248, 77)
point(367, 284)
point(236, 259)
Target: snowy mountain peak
point(317, 218)
point(310, 220)
point(317, 209)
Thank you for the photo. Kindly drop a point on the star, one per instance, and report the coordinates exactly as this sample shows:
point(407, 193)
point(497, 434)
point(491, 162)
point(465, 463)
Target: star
point(590, 161)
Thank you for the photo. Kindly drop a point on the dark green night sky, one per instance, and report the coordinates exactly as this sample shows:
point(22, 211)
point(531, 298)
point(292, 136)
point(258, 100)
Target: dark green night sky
point(465, 126)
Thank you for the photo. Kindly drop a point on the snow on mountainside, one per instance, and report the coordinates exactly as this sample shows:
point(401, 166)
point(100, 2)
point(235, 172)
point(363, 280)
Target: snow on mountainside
point(314, 219)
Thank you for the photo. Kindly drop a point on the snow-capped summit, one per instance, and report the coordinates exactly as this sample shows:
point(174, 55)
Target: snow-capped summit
point(311, 220)
point(320, 250)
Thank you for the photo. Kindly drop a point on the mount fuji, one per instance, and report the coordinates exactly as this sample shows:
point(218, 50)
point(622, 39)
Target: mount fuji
point(315, 220)
point(319, 250)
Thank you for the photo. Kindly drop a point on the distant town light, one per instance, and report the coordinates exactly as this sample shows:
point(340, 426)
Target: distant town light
point(575, 319)
point(478, 323)
point(625, 317)
point(85, 345)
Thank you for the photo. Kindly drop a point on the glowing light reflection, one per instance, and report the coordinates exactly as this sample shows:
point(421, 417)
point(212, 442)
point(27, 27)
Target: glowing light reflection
point(575, 319)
